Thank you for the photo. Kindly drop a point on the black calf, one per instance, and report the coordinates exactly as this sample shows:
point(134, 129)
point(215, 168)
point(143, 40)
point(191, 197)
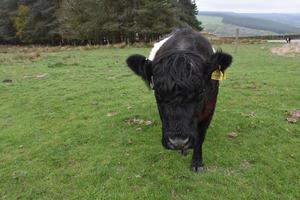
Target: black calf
point(186, 95)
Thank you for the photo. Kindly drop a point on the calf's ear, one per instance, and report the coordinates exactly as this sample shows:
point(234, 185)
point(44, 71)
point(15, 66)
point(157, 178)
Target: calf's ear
point(219, 60)
point(141, 67)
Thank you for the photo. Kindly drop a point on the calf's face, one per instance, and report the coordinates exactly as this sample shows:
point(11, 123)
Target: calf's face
point(179, 84)
point(179, 121)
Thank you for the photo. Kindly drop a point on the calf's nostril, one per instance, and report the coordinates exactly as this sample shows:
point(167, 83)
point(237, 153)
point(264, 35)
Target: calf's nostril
point(179, 142)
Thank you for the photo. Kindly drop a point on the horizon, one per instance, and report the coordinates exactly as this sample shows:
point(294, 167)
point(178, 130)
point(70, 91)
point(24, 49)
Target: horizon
point(250, 6)
point(286, 13)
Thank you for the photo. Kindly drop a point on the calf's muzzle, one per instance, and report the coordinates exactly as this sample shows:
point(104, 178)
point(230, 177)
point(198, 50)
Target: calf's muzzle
point(178, 142)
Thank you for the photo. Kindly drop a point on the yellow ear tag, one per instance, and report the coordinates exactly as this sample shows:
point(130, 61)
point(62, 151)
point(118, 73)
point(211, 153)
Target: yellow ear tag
point(218, 75)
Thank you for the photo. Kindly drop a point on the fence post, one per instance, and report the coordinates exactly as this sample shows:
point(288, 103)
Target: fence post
point(237, 35)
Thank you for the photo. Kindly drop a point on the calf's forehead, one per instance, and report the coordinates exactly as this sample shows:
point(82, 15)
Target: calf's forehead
point(157, 46)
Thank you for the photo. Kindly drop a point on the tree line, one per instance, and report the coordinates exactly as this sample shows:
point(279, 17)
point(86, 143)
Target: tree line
point(92, 21)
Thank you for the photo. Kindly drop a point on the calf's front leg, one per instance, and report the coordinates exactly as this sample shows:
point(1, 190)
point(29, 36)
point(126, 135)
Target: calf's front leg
point(205, 119)
point(197, 162)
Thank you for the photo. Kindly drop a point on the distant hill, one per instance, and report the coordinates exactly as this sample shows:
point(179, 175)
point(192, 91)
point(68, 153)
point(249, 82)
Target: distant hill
point(217, 27)
point(290, 19)
point(225, 23)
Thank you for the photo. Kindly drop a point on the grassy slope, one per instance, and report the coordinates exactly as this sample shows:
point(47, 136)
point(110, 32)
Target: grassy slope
point(210, 20)
point(215, 25)
point(56, 141)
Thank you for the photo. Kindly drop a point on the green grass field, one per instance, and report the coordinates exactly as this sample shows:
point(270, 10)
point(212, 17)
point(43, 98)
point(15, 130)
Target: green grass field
point(210, 20)
point(67, 130)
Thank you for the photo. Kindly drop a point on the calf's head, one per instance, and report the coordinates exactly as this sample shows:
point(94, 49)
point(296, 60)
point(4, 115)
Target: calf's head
point(180, 82)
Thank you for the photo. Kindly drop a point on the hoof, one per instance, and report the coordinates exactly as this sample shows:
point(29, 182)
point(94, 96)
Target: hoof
point(184, 152)
point(197, 168)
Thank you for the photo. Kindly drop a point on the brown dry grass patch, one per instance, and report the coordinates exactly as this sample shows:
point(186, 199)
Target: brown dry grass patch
point(287, 50)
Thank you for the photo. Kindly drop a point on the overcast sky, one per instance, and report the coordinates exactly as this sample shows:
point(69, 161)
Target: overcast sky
point(253, 6)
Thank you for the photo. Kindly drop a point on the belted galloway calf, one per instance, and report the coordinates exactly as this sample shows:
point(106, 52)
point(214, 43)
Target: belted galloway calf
point(184, 71)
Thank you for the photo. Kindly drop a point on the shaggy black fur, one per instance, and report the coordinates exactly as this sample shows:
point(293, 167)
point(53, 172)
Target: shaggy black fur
point(185, 93)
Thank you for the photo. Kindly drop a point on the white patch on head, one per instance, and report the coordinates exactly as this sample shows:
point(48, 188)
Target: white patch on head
point(157, 46)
